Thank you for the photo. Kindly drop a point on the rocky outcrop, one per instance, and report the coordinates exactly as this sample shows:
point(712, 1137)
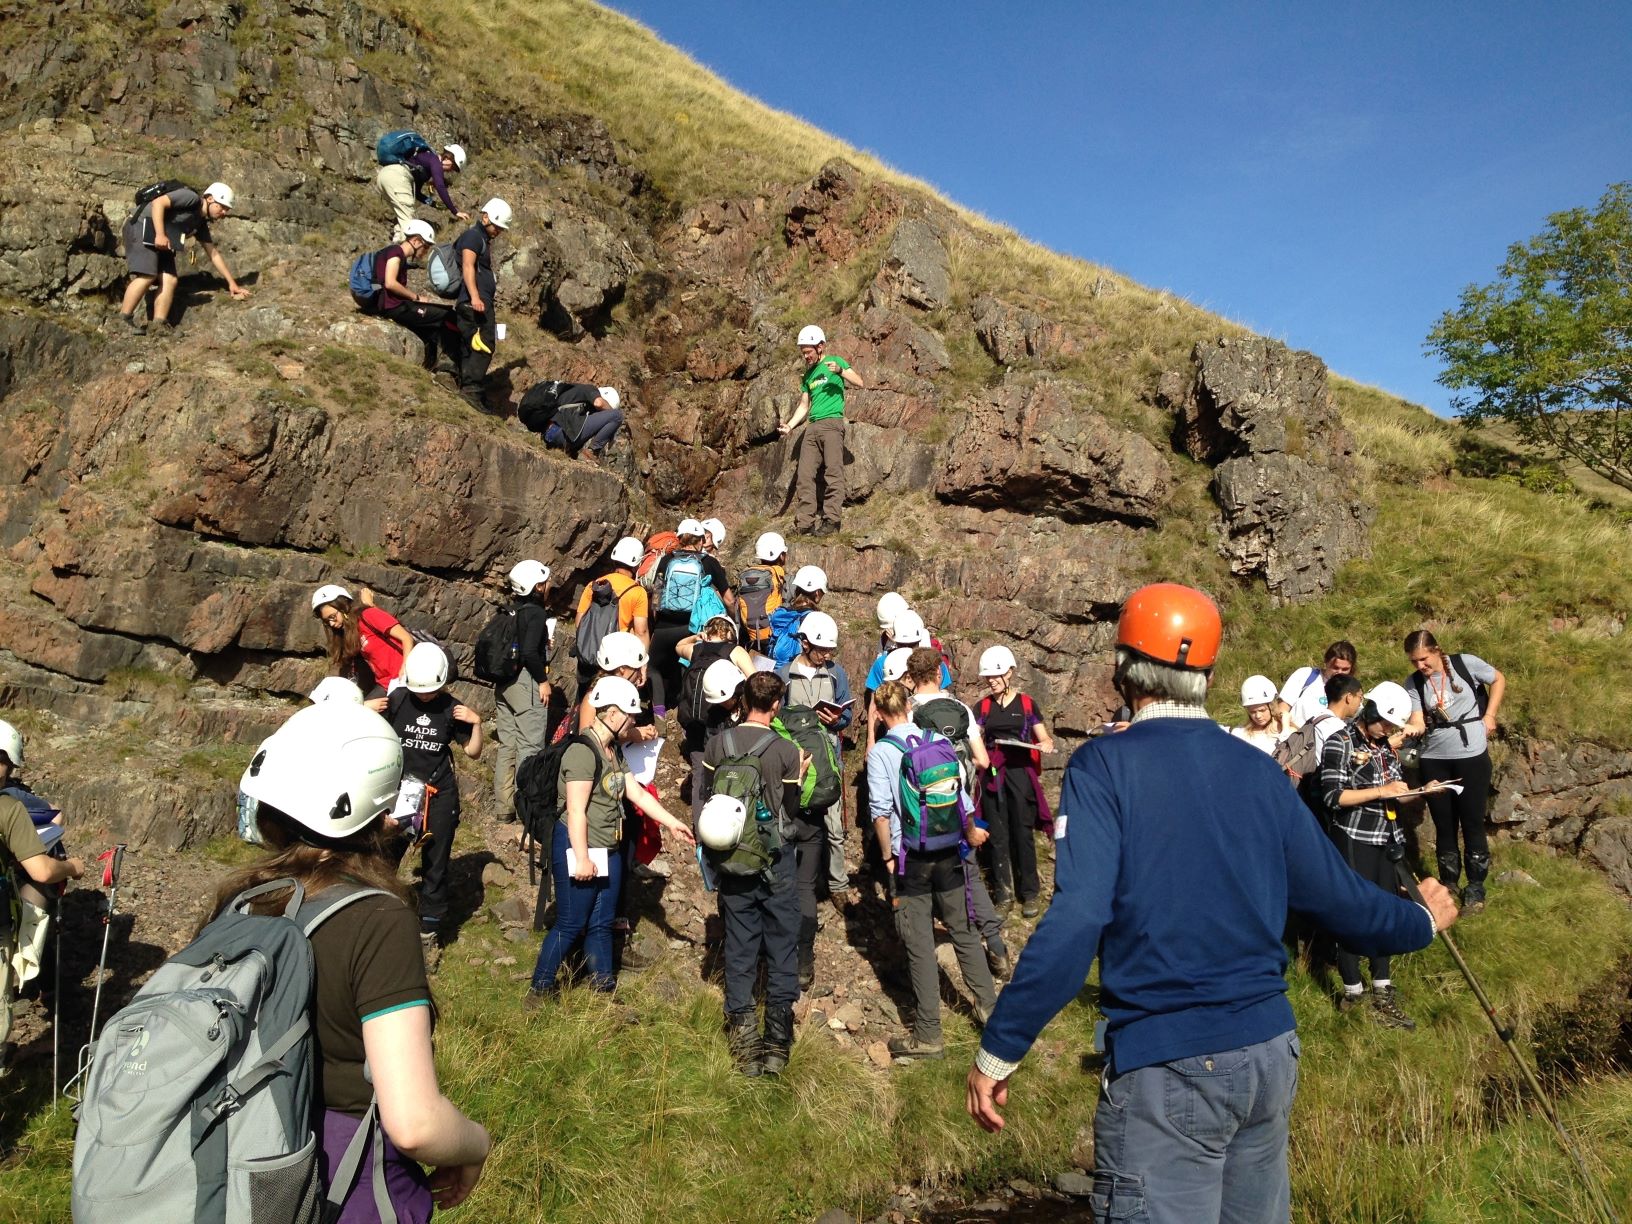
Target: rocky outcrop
point(1012, 334)
point(916, 269)
point(1028, 446)
point(1260, 415)
point(839, 212)
point(1577, 798)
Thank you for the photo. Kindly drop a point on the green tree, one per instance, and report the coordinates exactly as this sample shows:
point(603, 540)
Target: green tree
point(1547, 348)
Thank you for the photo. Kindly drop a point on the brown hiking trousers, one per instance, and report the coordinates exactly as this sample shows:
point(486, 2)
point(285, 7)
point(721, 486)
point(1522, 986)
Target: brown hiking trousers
point(821, 456)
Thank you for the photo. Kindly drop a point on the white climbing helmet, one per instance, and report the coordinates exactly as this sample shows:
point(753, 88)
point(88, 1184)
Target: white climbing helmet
point(890, 605)
point(327, 594)
point(333, 767)
point(525, 576)
point(457, 152)
point(498, 212)
point(1391, 702)
point(770, 546)
point(811, 334)
point(221, 194)
point(689, 527)
point(721, 822)
point(11, 743)
point(425, 669)
point(996, 661)
point(620, 650)
point(628, 551)
point(337, 688)
point(715, 528)
point(611, 396)
point(614, 691)
point(909, 630)
point(721, 681)
point(421, 230)
point(810, 578)
point(819, 629)
point(1257, 690)
point(895, 663)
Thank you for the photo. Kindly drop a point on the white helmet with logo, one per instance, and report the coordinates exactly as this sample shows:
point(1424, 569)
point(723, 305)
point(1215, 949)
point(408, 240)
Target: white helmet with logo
point(457, 152)
point(11, 743)
point(810, 578)
point(811, 334)
point(337, 688)
point(421, 230)
point(1391, 703)
point(498, 212)
point(614, 691)
point(909, 630)
point(689, 527)
point(721, 822)
point(628, 551)
point(1257, 690)
point(525, 576)
point(721, 681)
point(895, 663)
point(715, 528)
point(220, 193)
point(819, 629)
point(611, 396)
point(996, 661)
point(770, 546)
point(327, 594)
point(425, 669)
point(332, 767)
point(620, 650)
point(890, 605)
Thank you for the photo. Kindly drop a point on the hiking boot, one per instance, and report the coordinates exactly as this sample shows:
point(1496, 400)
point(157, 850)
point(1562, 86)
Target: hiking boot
point(1386, 1010)
point(133, 323)
point(1473, 900)
point(1003, 905)
point(1000, 963)
point(431, 948)
point(1348, 1000)
point(807, 971)
point(910, 1047)
point(842, 898)
point(742, 1038)
point(632, 958)
point(778, 1040)
point(536, 999)
point(1031, 908)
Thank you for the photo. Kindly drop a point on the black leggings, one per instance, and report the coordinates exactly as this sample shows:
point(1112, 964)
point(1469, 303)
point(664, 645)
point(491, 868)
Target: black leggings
point(665, 670)
point(1370, 863)
point(1011, 818)
point(1465, 812)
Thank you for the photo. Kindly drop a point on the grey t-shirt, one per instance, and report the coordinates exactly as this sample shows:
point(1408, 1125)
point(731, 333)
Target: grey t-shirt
point(1454, 696)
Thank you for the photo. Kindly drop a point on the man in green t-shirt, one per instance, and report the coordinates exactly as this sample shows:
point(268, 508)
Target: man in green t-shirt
point(821, 398)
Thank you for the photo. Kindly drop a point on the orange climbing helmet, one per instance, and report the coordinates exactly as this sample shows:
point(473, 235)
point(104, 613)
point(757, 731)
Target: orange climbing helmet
point(1171, 624)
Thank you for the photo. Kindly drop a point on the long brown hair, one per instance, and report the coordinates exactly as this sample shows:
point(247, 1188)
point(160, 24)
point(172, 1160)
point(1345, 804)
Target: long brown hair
point(345, 643)
point(1421, 639)
point(316, 862)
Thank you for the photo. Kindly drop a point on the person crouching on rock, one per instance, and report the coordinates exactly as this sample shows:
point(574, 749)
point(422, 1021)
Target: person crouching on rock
point(584, 421)
point(430, 321)
point(585, 859)
point(366, 644)
point(155, 232)
point(429, 722)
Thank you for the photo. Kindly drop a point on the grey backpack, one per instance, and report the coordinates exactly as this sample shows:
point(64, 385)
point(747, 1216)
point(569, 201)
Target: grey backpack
point(198, 1104)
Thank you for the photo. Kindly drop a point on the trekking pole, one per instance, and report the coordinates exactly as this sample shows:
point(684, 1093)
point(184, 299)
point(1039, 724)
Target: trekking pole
point(114, 861)
point(56, 1002)
point(1595, 1191)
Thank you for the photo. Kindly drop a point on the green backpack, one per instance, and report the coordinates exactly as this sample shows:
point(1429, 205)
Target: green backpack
point(821, 786)
point(740, 774)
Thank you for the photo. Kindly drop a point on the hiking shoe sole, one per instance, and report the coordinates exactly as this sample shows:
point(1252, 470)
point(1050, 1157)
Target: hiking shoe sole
point(905, 1050)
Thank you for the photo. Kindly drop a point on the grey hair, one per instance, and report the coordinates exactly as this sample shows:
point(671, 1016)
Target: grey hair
point(1142, 677)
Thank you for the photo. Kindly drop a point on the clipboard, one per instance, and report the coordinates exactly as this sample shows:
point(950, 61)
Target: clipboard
point(597, 860)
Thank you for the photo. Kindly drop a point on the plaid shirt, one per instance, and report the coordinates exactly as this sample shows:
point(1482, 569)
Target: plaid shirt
point(1170, 709)
point(1351, 762)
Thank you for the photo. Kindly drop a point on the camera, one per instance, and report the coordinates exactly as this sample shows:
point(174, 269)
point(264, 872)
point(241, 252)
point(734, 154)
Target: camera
point(1435, 717)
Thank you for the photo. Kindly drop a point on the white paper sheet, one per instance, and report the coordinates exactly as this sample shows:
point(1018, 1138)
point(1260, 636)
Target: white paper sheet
point(641, 759)
point(597, 860)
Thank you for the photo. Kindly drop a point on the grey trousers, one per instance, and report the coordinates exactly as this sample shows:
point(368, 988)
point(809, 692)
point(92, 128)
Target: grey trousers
point(520, 726)
point(821, 450)
point(934, 886)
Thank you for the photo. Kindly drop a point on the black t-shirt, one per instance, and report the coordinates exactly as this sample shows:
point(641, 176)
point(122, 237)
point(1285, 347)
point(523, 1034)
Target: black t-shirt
point(475, 239)
point(778, 768)
point(1006, 721)
point(428, 730)
point(367, 961)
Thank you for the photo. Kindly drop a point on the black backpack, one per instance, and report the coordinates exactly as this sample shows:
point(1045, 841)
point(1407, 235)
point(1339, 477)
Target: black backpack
point(693, 710)
point(498, 650)
point(598, 620)
point(950, 717)
point(153, 191)
point(538, 404)
point(538, 786)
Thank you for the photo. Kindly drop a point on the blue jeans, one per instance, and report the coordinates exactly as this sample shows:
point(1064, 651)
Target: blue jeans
point(1198, 1140)
point(583, 909)
point(598, 430)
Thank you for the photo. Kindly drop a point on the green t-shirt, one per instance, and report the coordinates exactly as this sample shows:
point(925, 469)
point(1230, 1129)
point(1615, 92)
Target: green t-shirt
point(605, 801)
point(825, 387)
point(18, 837)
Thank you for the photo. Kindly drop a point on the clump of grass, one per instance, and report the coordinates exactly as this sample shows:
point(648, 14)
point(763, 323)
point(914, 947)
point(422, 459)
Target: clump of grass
point(1398, 441)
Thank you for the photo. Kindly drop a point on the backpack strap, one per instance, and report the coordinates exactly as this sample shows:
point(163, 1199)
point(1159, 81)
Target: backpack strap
point(983, 710)
point(318, 909)
point(345, 1173)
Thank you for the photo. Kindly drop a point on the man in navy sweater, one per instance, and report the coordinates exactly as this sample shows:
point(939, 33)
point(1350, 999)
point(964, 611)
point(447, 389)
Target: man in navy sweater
point(1179, 851)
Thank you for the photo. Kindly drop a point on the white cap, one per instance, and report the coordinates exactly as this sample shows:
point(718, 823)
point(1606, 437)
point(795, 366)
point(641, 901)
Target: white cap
point(996, 661)
point(819, 629)
point(11, 743)
point(895, 663)
point(327, 594)
point(770, 546)
point(715, 528)
point(721, 822)
point(498, 212)
point(721, 681)
point(457, 152)
point(1257, 690)
point(220, 193)
point(909, 630)
point(526, 575)
point(890, 605)
point(425, 669)
point(333, 767)
point(811, 334)
point(337, 688)
point(810, 578)
point(421, 230)
point(614, 691)
point(689, 527)
point(629, 551)
point(1391, 702)
point(611, 396)
point(620, 650)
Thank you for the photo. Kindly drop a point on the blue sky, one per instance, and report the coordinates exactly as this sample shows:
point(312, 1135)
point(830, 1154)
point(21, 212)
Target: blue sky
point(1332, 177)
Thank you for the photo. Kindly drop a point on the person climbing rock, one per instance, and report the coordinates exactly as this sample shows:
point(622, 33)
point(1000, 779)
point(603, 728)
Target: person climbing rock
point(156, 233)
point(820, 510)
point(396, 301)
point(408, 165)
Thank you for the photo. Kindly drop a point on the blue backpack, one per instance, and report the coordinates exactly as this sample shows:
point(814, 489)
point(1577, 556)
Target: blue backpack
point(395, 148)
point(785, 624)
point(365, 290)
point(683, 582)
